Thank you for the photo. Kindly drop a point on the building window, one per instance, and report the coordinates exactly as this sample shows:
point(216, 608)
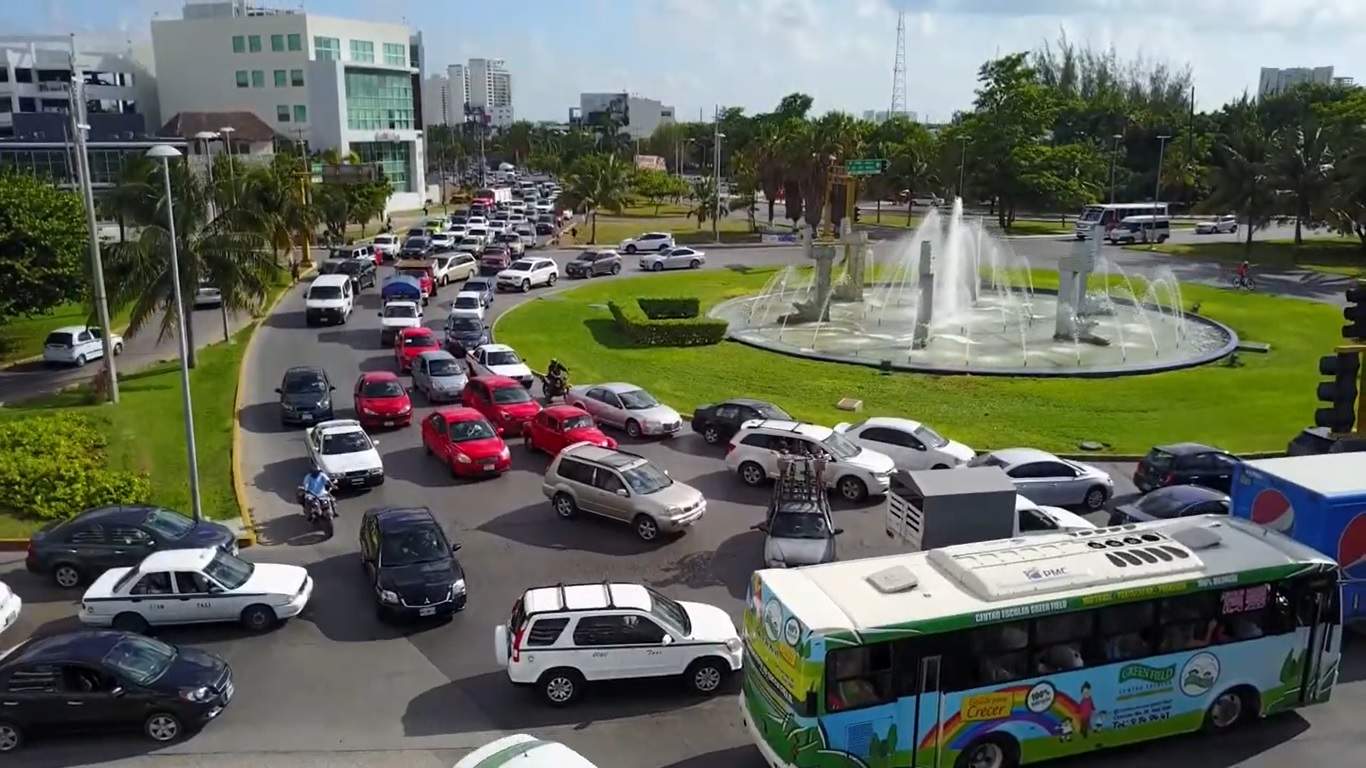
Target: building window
point(327, 48)
point(378, 101)
point(6, 106)
point(296, 77)
point(254, 43)
point(362, 51)
point(23, 75)
point(282, 113)
point(281, 78)
point(242, 79)
point(258, 78)
point(4, 73)
point(239, 44)
point(296, 43)
point(28, 104)
point(392, 157)
point(395, 54)
point(277, 43)
point(300, 113)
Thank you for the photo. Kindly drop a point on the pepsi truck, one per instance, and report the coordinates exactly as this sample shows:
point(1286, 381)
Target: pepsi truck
point(1316, 500)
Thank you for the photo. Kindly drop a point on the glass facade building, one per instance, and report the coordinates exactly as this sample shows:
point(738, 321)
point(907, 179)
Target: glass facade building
point(378, 101)
point(393, 157)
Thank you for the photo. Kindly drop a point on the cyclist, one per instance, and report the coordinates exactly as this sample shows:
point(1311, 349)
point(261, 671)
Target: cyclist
point(1241, 277)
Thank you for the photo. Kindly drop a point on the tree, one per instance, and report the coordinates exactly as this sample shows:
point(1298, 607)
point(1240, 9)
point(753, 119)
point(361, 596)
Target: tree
point(1241, 178)
point(334, 204)
point(274, 197)
point(368, 201)
point(1014, 112)
point(1301, 164)
point(704, 192)
point(1345, 202)
point(595, 182)
point(42, 246)
point(130, 196)
point(657, 186)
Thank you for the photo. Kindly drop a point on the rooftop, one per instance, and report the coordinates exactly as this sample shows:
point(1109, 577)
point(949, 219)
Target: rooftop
point(247, 127)
point(585, 597)
point(177, 560)
point(1329, 474)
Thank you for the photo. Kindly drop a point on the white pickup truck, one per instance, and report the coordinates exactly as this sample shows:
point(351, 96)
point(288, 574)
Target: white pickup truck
point(395, 316)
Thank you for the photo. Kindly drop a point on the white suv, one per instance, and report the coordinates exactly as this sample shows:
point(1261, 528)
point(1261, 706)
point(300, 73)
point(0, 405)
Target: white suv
point(522, 274)
point(650, 241)
point(560, 637)
point(852, 470)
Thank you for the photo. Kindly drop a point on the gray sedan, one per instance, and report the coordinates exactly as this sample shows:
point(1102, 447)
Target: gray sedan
point(1044, 478)
point(627, 407)
point(798, 533)
point(439, 376)
point(674, 258)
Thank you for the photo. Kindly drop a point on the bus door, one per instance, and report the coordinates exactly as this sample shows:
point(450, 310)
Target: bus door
point(1320, 609)
point(921, 708)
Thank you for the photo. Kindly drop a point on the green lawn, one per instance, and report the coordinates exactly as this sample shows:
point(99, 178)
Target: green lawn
point(1041, 227)
point(1257, 406)
point(1339, 255)
point(23, 337)
point(635, 219)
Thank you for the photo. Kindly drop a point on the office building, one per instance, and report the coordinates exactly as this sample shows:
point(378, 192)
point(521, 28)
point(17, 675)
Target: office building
point(882, 115)
point(35, 77)
point(446, 98)
point(635, 115)
point(1274, 81)
point(488, 91)
point(330, 83)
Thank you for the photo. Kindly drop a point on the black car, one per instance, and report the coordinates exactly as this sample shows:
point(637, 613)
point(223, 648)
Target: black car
point(486, 287)
point(361, 271)
point(305, 395)
point(718, 422)
point(91, 680)
point(416, 248)
point(411, 564)
point(83, 547)
point(1185, 464)
point(466, 333)
point(592, 263)
point(1172, 501)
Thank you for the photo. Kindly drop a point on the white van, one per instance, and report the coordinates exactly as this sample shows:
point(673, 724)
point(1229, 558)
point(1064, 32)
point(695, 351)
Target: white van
point(1141, 229)
point(329, 298)
point(524, 751)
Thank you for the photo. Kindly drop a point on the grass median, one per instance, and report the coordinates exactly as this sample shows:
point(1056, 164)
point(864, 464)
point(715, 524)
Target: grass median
point(23, 337)
point(635, 219)
point(1255, 406)
point(1337, 256)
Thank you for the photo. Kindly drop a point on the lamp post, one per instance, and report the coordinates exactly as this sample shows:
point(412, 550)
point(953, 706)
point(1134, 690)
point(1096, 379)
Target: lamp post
point(1157, 186)
point(206, 137)
point(962, 161)
point(226, 132)
point(716, 186)
point(1114, 151)
point(164, 153)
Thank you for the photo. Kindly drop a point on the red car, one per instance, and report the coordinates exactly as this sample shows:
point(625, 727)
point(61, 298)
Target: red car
point(411, 342)
point(466, 442)
point(561, 425)
point(504, 401)
point(425, 281)
point(382, 401)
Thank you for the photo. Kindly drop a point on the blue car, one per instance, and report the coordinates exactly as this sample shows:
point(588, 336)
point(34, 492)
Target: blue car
point(466, 333)
point(484, 286)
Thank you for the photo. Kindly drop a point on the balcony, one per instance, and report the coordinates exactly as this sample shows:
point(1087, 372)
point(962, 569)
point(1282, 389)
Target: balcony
point(54, 87)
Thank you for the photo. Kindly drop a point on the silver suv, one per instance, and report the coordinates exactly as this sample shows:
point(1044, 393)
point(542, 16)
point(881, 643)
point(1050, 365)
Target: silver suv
point(622, 486)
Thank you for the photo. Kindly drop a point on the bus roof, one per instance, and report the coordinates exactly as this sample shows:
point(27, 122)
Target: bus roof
point(992, 581)
point(1328, 474)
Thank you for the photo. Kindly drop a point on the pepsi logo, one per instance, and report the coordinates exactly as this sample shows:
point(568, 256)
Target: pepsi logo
point(1352, 547)
point(1271, 508)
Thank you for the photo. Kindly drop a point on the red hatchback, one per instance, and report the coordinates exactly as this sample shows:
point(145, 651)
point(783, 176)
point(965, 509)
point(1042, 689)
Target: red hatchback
point(561, 425)
point(411, 342)
point(466, 442)
point(382, 401)
point(504, 401)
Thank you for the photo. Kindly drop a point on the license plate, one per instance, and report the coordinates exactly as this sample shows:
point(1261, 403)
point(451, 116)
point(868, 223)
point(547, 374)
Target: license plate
point(431, 611)
point(305, 417)
point(389, 423)
point(488, 466)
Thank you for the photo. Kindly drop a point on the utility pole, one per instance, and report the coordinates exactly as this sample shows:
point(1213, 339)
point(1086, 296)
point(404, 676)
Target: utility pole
point(1114, 150)
point(716, 174)
point(76, 103)
point(1157, 187)
point(962, 162)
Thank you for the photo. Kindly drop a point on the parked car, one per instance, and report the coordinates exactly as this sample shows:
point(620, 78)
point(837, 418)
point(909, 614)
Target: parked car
point(305, 395)
point(1217, 225)
point(10, 607)
point(386, 247)
point(464, 440)
point(411, 342)
point(328, 298)
point(466, 333)
point(395, 316)
point(911, 445)
point(443, 242)
point(486, 287)
point(649, 241)
point(798, 532)
point(356, 251)
point(494, 262)
point(1185, 464)
point(419, 247)
point(410, 564)
point(674, 258)
point(620, 486)
point(717, 422)
point(504, 402)
point(196, 586)
point(522, 274)
point(592, 632)
point(381, 400)
point(96, 679)
point(1172, 502)
point(80, 548)
point(524, 751)
point(77, 345)
point(1047, 479)
point(480, 231)
point(471, 245)
point(561, 425)
point(467, 304)
point(342, 449)
point(627, 407)
point(500, 360)
point(593, 263)
point(854, 471)
point(439, 376)
point(1312, 441)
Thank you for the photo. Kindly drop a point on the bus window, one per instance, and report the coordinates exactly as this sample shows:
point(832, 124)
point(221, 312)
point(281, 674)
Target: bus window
point(1122, 628)
point(1000, 651)
point(1188, 622)
point(1058, 641)
point(859, 677)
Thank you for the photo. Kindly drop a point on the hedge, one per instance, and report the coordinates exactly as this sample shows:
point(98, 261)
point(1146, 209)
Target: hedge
point(52, 466)
point(660, 322)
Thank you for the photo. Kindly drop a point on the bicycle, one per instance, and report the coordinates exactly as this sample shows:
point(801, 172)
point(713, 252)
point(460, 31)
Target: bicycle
point(1243, 282)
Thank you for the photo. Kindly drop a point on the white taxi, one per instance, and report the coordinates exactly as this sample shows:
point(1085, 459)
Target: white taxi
point(10, 605)
point(341, 448)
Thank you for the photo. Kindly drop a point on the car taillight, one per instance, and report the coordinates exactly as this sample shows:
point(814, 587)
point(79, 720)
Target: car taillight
point(517, 644)
point(1168, 478)
point(729, 447)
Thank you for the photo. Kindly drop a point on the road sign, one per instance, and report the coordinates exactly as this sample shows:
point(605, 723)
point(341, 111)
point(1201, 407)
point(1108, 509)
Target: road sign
point(869, 167)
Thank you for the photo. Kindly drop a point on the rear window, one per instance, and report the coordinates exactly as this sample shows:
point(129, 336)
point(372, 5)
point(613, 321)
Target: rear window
point(1159, 460)
point(58, 340)
point(546, 631)
point(510, 395)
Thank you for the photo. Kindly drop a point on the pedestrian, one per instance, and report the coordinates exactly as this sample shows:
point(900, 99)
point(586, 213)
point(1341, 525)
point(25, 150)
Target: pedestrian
point(424, 209)
point(388, 223)
point(574, 232)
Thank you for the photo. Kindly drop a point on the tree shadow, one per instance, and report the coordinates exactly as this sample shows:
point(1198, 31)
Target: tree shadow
point(290, 318)
point(537, 525)
point(378, 363)
point(729, 566)
point(606, 333)
point(359, 339)
point(736, 757)
point(264, 419)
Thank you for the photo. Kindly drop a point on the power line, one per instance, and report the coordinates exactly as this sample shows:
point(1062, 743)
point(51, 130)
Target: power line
point(899, 69)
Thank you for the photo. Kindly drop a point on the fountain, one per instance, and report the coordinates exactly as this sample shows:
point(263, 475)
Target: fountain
point(951, 298)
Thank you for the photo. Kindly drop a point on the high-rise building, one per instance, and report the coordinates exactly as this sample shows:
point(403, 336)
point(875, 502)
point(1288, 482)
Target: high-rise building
point(637, 116)
point(344, 84)
point(446, 98)
point(36, 73)
point(489, 91)
point(1274, 81)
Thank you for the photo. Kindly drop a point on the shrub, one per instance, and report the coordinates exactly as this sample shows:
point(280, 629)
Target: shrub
point(662, 323)
point(52, 466)
point(670, 308)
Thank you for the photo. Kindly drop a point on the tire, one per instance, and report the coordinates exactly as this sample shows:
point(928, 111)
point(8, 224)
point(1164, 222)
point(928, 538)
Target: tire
point(553, 277)
point(130, 622)
point(852, 489)
point(706, 676)
point(631, 248)
point(1229, 710)
point(526, 285)
point(940, 466)
point(694, 264)
point(646, 527)
point(990, 752)
point(616, 269)
point(259, 618)
point(560, 687)
point(11, 737)
point(632, 429)
point(327, 525)
point(162, 727)
point(118, 349)
point(658, 266)
point(752, 474)
point(565, 506)
point(1095, 498)
point(80, 361)
point(711, 435)
point(67, 575)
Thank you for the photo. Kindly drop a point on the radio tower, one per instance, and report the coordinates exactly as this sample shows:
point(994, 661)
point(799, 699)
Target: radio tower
point(899, 69)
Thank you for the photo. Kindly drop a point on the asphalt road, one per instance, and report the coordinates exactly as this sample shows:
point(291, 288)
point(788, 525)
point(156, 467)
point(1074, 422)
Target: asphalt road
point(337, 687)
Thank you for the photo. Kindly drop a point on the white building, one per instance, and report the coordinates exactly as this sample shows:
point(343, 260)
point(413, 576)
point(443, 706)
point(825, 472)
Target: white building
point(636, 115)
point(117, 84)
point(1274, 81)
point(882, 115)
point(446, 98)
point(342, 84)
point(488, 90)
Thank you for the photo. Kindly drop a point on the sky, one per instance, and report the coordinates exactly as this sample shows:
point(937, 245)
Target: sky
point(697, 54)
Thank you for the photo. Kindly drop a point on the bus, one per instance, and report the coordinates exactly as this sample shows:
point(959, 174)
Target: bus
point(1001, 653)
point(1108, 216)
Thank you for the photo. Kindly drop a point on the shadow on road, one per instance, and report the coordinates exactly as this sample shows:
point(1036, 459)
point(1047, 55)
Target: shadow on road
point(415, 466)
point(1205, 750)
point(293, 318)
point(736, 757)
point(359, 339)
point(263, 419)
point(37, 587)
point(537, 525)
point(730, 566)
point(343, 604)
point(281, 478)
point(289, 529)
point(724, 485)
point(378, 363)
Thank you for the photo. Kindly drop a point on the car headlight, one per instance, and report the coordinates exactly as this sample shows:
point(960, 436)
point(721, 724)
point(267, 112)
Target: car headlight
point(653, 424)
point(288, 406)
point(405, 408)
point(462, 458)
point(197, 695)
point(674, 511)
point(388, 596)
point(505, 453)
point(733, 644)
point(458, 587)
point(376, 470)
point(369, 411)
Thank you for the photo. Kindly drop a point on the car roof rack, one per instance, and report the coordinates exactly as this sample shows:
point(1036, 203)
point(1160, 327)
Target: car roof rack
point(800, 479)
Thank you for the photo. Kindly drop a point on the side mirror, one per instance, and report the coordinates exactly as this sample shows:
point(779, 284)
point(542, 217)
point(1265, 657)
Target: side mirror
point(621, 492)
point(501, 431)
point(379, 314)
point(331, 387)
point(666, 640)
point(759, 527)
point(278, 391)
point(374, 442)
point(455, 548)
point(837, 532)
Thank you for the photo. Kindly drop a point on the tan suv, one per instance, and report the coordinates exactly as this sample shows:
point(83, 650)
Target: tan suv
point(622, 486)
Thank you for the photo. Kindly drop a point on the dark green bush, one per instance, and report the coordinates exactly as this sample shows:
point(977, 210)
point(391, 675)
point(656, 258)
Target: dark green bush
point(52, 466)
point(670, 330)
point(670, 308)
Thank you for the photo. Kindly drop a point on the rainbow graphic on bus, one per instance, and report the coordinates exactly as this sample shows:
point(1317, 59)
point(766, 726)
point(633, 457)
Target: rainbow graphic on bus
point(1039, 704)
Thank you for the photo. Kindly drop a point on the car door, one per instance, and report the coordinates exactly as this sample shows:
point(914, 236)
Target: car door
point(1062, 483)
point(479, 356)
point(420, 380)
point(129, 544)
point(1219, 471)
point(1032, 482)
point(659, 651)
point(592, 401)
point(613, 497)
point(154, 598)
point(431, 427)
point(612, 410)
point(88, 545)
point(314, 444)
point(895, 444)
point(31, 694)
point(608, 648)
point(199, 599)
point(727, 419)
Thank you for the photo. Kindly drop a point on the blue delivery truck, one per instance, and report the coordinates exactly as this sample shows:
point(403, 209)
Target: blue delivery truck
point(1316, 500)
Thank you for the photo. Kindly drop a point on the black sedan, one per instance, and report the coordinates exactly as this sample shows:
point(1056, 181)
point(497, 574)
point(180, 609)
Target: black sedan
point(411, 564)
point(1170, 502)
point(716, 423)
point(361, 271)
point(305, 395)
point(1185, 464)
point(83, 547)
point(93, 680)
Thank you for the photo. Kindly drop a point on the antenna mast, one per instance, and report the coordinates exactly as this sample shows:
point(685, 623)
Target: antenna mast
point(899, 69)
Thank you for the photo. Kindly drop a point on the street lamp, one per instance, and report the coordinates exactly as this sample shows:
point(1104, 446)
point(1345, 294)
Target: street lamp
point(206, 137)
point(680, 154)
point(1157, 187)
point(716, 186)
point(962, 162)
point(164, 153)
point(226, 132)
point(1114, 150)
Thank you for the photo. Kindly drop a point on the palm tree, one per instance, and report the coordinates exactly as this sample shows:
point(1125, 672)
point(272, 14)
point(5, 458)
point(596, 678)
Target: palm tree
point(1302, 163)
point(704, 192)
point(1241, 178)
point(812, 151)
point(594, 182)
point(131, 196)
point(275, 196)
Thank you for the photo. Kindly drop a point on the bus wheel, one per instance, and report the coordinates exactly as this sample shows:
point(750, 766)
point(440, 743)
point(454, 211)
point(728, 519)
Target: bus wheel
point(991, 752)
point(1229, 709)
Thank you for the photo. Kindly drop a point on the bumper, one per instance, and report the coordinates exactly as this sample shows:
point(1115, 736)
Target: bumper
point(304, 417)
point(9, 612)
point(483, 468)
point(329, 314)
point(675, 524)
point(359, 481)
point(512, 427)
point(771, 758)
point(672, 428)
point(511, 285)
point(410, 612)
point(296, 606)
point(387, 420)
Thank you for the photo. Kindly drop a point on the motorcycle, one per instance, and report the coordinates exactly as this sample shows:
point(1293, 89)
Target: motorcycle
point(319, 510)
point(555, 382)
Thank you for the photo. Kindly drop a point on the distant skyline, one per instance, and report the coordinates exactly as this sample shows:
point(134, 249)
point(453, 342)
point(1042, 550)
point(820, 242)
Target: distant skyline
point(695, 54)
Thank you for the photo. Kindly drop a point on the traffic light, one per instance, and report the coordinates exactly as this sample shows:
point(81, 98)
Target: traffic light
point(1355, 312)
point(1341, 392)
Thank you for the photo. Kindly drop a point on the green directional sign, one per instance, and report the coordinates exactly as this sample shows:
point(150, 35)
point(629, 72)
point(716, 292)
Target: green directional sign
point(868, 167)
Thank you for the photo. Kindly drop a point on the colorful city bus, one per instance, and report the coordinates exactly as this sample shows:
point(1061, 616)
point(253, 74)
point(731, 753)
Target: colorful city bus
point(1108, 216)
point(1000, 653)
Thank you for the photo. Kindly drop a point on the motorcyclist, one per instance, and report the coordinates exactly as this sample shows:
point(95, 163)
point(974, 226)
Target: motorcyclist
point(317, 484)
point(556, 377)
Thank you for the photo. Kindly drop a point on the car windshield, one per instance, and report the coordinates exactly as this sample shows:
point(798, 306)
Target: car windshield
point(229, 570)
point(502, 357)
point(587, 256)
point(140, 659)
point(167, 523)
point(345, 442)
point(1159, 460)
point(839, 446)
point(463, 324)
point(352, 267)
point(411, 546)
point(646, 478)
point(382, 388)
point(306, 382)
point(929, 437)
point(581, 421)
point(476, 285)
point(444, 366)
point(988, 460)
point(415, 242)
point(469, 241)
point(325, 292)
point(510, 395)
point(477, 429)
point(520, 266)
point(637, 399)
point(466, 302)
point(331, 267)
point(419, 340)
point(1163, 505)
point(414, 273)
point(799, 525)
point(669, 610)
point(400, 311)
point(384, 240)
